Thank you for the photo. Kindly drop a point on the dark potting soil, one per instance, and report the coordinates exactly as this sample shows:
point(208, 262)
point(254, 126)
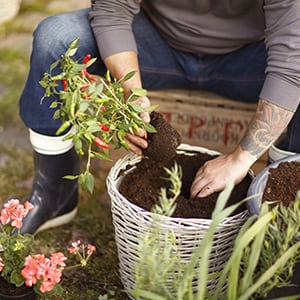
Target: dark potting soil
point(283, 183)
point(12, 290)
point(142, 186)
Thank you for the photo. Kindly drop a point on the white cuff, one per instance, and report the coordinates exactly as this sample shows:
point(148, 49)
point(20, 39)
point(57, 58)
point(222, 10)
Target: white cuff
point(50, 145)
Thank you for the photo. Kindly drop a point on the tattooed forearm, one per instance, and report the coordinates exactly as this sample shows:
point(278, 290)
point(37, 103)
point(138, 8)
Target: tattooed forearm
point(267, 124)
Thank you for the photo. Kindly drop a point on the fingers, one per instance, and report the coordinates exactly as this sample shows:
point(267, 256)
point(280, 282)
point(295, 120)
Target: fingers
point(216, 173)
point(201, 187)
point(145, 116)
point(142, 133)
point(136, 143)
point(209, 179)
point(201, 191)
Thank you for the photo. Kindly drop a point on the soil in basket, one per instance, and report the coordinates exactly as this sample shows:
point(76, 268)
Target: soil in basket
point(283, 183)
point(142, 185)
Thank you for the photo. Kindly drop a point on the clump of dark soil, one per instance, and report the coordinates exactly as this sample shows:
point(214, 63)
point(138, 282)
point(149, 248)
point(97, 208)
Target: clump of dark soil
point(142, 186)
point(282, 184)
point(161, 145)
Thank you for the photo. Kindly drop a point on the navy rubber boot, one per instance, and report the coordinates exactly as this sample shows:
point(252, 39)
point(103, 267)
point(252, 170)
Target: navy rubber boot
point(54, 197)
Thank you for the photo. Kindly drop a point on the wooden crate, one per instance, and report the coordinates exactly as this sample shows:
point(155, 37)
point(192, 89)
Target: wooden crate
point(205, 119)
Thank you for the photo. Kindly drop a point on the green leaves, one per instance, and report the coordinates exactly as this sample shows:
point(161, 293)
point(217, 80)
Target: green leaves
point(13, 249)
point(95, 106)
point(263, 256)
point(166, 206)
point(86, 180)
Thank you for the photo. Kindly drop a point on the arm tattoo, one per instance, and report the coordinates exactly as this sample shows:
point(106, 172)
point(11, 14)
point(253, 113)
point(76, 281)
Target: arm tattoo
point(267, 124)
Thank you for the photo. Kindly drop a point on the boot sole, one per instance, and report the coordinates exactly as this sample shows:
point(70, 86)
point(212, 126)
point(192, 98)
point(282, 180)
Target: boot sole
point(58, 221)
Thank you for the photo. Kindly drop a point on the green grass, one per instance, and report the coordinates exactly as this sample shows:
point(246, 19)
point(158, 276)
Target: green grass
point(13, 71)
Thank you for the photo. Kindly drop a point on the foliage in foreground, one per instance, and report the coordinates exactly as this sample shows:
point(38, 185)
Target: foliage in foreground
point(264, 254)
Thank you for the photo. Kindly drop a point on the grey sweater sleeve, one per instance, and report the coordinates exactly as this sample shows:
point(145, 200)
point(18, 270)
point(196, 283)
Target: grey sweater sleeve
point(282, 39)
point(111, 21)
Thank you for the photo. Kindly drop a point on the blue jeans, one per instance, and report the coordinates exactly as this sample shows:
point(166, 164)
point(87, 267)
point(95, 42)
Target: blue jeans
point(238, 75)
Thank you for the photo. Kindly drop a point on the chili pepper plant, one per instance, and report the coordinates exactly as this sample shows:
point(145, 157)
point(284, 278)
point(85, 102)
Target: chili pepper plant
point(19, 265)
point(95, 106)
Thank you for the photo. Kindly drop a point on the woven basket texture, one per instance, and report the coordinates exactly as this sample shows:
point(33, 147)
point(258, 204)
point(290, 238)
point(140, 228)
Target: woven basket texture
point(131, 221)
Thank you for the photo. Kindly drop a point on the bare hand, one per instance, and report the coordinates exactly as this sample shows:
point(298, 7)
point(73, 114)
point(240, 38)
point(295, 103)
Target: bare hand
point(138, 141)
point(214, 174)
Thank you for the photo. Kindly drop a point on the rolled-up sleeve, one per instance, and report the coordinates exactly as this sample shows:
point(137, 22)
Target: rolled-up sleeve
point(282, 39)
point(111, 21)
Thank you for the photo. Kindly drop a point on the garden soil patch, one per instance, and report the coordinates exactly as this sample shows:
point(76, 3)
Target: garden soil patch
point(142, 185)
point(12, 290)
point(283, 183)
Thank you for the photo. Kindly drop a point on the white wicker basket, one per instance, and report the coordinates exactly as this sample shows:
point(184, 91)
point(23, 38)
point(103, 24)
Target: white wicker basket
point(8, 9)
point(130, 221)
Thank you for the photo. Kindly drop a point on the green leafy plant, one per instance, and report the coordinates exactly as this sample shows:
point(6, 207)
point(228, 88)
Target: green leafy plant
point(264, 254)
point(94, 106)
point(18, 264)
point(158, 245)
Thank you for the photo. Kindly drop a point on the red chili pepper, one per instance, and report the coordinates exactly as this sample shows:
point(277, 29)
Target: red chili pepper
point(65, 85)
point(103, 108)
point(85, 86)
point(103, 127)
point(91, 77)
point(84, 72)
point(100, 143)
point(87, 58)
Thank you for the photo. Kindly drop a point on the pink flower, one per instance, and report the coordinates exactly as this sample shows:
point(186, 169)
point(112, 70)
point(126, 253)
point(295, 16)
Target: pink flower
point(91, 249)
point(75, 247)
point(38, 269)
point(15, 212)
point(54, 275)
point(58, 259)
point(5, 217)
point(8, 210)
point(28, 206)
point(1, 264)
point(46, 286)
point(29, 272)
point(43, 269)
